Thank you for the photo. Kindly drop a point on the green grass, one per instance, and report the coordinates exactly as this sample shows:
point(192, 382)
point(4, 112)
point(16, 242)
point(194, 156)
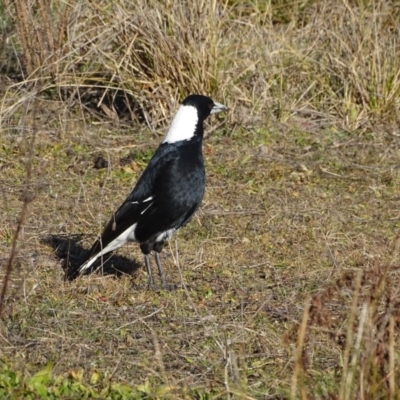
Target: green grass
point(44, 385)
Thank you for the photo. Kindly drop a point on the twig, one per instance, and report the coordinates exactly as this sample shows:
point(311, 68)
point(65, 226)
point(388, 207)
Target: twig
point(300, 345)
point(27, 197)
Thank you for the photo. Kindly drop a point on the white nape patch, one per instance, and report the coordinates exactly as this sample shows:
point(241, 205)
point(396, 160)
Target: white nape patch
point(148, 199)
point(126, 236)
point(165, 235)
point(183, 125)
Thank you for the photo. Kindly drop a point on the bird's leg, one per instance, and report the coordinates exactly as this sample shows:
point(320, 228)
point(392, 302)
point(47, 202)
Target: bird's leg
point(148, 268)
point(160, 270)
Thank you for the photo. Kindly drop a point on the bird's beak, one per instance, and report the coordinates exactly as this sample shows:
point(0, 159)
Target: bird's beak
point(218, 107)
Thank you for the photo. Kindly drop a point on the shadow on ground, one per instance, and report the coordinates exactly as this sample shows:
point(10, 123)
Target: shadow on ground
point(68, 250)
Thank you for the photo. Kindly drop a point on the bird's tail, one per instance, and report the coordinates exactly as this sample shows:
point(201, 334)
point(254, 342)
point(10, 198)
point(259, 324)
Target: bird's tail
point(85, 264)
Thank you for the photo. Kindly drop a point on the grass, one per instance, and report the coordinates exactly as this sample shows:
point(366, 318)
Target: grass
point(288, 274)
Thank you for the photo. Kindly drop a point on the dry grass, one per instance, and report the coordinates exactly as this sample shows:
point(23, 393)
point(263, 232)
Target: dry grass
point(289, 275)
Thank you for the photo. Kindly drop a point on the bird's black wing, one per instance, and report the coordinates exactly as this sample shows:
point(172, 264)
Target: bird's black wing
point(137, 202)
point(177, 193)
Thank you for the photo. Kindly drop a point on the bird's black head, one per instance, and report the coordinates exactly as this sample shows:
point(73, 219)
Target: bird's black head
point(188, 121)
point(204, 105)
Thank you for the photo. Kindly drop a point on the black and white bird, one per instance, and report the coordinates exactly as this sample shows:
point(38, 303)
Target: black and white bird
point(167, 194)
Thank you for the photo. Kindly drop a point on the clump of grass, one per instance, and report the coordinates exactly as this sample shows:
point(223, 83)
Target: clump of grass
point(41, 32)
point(333, 62)
point(359, 316)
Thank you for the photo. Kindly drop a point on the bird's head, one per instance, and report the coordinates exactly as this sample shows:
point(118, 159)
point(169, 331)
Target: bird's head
point(188, 121)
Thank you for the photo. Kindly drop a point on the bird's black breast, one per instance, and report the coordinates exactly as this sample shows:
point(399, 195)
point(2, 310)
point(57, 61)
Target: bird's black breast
point(177, 188)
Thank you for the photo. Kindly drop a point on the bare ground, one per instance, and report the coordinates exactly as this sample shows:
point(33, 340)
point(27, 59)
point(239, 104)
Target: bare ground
point(289, 211)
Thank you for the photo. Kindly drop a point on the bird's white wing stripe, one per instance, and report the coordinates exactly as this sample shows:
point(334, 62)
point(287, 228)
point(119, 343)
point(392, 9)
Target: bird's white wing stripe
point(143, 201)
point(146, 208)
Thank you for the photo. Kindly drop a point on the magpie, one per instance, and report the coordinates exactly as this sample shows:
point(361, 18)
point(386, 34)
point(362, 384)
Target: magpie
point(167, 194)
